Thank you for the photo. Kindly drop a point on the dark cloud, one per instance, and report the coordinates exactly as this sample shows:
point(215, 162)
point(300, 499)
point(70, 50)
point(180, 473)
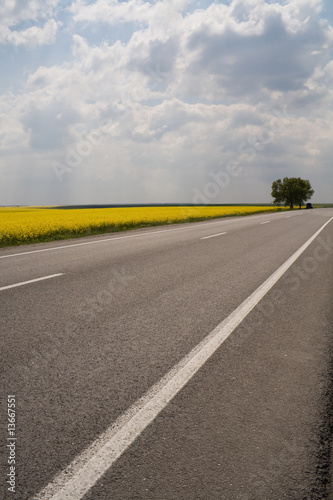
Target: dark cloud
point(159, 62)
point(242, 63)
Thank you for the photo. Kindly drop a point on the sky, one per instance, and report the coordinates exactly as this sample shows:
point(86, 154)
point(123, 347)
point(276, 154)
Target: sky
point(166, 101)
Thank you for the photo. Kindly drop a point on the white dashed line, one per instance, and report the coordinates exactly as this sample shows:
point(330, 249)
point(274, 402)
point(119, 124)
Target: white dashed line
point(266, 222)
point(212, 236)
point(30, 281)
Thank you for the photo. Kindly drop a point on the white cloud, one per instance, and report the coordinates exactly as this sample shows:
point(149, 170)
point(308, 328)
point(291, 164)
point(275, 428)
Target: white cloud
point(111, 12)
point(15, 15)
point(34, 36)
point(14, 11)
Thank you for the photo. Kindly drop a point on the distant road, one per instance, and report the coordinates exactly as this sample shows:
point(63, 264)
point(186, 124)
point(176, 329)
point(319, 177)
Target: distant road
point(173, 362)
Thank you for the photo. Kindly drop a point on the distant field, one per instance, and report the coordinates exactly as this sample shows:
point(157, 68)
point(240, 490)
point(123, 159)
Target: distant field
point(20, 225)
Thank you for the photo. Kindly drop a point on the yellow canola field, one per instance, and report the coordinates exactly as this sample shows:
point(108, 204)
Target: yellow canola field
point(20, 225)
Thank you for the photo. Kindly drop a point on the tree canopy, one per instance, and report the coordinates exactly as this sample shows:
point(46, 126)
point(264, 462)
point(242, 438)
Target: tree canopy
point(291, 191)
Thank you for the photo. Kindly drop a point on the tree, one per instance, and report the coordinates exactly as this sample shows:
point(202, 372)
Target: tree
point(291, 191)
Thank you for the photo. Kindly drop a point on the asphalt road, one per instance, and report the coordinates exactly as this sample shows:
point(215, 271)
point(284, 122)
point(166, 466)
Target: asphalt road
point(114, 314)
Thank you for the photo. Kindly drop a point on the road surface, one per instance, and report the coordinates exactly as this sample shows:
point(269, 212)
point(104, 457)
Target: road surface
point(154, 364)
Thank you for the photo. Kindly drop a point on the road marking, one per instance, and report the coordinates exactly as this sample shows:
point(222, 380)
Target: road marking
point(31, 281)
point(266, 222)
point(152, 233)
point(83, 473)
point(287, 217)
point(212, 236)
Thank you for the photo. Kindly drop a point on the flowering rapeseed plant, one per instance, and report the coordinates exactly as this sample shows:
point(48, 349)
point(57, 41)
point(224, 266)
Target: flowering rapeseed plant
point(20, 225)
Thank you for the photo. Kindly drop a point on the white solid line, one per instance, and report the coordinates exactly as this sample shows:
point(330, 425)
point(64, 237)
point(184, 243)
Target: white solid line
point(74, 482)
point(212, 236)
point(266, 222)
point(152, 233)
point(30, 281)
